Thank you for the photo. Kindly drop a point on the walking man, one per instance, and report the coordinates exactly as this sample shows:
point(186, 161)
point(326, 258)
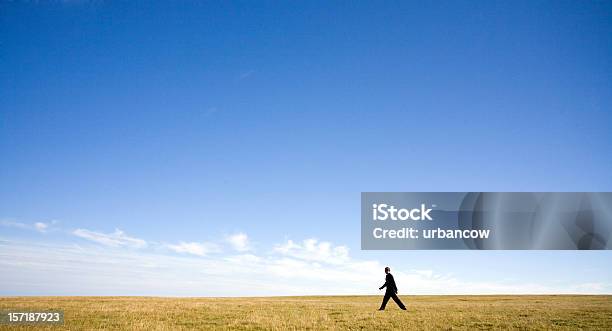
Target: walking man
point(391, 291)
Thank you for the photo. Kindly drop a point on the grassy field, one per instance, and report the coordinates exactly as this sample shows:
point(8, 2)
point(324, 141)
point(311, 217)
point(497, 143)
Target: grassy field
point(330, 312)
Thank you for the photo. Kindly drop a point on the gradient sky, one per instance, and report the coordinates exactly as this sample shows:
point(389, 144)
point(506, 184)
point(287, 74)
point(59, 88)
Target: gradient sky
point(219, 133)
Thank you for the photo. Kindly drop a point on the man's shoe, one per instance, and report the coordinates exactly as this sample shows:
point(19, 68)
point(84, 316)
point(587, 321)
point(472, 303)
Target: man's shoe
point(380, 309)
point(404, 308)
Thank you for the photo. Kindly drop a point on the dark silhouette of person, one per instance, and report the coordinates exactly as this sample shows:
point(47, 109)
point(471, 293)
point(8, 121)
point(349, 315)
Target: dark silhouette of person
point(391, 291)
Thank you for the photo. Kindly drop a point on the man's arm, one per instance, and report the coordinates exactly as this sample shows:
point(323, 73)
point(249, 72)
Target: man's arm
point(385, 284)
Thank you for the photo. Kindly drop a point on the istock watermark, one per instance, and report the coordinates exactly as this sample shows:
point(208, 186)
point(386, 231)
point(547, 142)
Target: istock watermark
point(486, 220)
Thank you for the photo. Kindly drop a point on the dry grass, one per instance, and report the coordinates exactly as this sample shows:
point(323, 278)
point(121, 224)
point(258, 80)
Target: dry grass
point(320, 313)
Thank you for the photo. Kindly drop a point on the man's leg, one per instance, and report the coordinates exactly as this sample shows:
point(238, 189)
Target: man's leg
point(385, 300)
point(398, 301)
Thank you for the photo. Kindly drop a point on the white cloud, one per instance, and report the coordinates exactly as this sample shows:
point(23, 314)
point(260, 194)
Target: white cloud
point(314, 250)
point(307, 267)
point(98, 270)
point(115, 239)
point(200, 249)
point(239, 241)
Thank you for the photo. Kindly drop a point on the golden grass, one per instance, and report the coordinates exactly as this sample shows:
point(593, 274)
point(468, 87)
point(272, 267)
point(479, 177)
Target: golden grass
point(324, 312)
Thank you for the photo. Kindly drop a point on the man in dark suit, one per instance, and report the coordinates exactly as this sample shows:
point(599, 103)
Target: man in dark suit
point(391, 291)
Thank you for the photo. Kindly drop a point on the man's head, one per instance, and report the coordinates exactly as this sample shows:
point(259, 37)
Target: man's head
point(387, 270)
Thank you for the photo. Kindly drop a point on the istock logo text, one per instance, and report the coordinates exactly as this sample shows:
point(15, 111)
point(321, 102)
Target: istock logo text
point(383, 212)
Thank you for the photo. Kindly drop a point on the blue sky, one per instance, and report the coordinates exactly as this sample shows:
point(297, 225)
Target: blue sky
point(212, 135)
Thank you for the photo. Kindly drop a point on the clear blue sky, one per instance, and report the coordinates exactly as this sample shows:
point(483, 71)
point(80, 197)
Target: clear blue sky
point(194, 122)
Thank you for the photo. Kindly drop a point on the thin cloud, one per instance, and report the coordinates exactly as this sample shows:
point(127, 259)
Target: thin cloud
point(211, 111)
point(38, 226)
point(12, 224)
point(194, 248)
point(41, 227)
point(114, 239)
point(246, 75)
